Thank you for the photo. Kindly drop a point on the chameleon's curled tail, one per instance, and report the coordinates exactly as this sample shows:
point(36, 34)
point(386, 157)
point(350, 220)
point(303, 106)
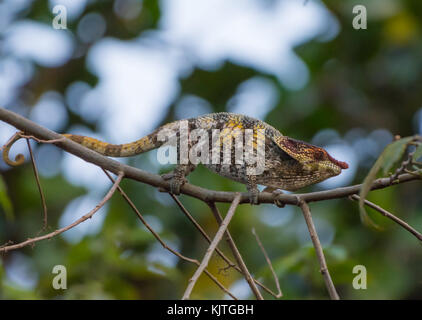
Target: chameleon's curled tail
point(144, 144)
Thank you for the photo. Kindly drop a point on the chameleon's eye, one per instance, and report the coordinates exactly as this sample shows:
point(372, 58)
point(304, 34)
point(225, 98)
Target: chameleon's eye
point(319, 154)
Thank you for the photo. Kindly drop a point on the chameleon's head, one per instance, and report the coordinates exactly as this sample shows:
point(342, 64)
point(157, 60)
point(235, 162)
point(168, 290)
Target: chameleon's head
point(317, 164)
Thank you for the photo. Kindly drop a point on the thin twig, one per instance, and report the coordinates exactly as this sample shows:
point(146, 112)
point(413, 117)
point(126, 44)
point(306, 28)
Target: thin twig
point(236, 253)
point(37, 179)
point(163, 244)
point(42, 140)
point(70, 226)
point(277, 283)
point(211, 248)
point(391, 216)
point(416, 173)
point(318, 249)
point(200, 229)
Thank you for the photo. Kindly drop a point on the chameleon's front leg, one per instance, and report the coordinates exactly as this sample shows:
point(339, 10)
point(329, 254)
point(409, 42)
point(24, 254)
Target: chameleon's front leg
point(252, 188)
point(178, 177)
point(276, 192)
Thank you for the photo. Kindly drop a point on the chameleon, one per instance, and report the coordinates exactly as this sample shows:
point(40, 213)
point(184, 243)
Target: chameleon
point(289, 164)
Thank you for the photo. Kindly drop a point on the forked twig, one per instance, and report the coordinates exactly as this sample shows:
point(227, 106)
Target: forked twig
point(70, 226)
point(318, 249)
point(219, 252)
point(201, 230)
point(236, 253)
point(163, 244)
point(277, 283)
point(211, 248)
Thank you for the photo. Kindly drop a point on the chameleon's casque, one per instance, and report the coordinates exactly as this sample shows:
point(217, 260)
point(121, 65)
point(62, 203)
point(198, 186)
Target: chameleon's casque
point(289, 164)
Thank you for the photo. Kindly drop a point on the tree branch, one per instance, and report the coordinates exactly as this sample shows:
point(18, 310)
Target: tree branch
point(29, 127)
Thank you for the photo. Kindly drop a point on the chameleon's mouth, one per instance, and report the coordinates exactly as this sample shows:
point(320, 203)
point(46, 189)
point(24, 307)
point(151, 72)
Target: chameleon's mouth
point(341, 164)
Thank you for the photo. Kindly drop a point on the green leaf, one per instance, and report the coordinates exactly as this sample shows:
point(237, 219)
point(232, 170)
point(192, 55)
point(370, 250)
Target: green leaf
point(5, 202)
point(393, 153)
point(388, 158)
point(418, 153)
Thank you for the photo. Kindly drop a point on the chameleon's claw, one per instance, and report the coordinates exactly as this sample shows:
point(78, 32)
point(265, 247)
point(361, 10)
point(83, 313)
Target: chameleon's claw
point(277, 202)
point(175, 185)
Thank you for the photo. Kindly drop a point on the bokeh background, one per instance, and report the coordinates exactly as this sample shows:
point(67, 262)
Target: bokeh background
point(122, 68)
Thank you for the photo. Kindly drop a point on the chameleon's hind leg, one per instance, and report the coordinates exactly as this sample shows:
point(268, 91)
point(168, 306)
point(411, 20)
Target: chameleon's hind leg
point(252, 189)
point(178, 176)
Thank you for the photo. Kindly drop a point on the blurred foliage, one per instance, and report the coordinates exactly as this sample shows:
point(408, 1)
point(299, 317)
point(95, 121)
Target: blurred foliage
point(392, 155)
point(366, 80)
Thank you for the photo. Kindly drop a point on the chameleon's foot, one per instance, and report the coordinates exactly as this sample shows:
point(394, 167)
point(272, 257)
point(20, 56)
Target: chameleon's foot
point(253, 196)
point(176, 182)
point(178, 177)
point(276, 192)
point(277, 202)
point(175, 185)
